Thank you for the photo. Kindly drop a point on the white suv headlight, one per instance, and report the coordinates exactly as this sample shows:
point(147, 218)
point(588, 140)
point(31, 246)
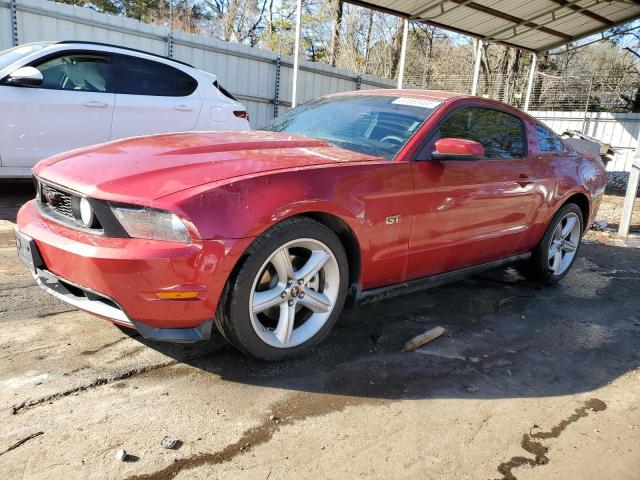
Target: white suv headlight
point(152, 224)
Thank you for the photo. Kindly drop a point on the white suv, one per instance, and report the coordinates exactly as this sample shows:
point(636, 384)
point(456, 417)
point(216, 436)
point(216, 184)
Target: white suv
point(57, 96)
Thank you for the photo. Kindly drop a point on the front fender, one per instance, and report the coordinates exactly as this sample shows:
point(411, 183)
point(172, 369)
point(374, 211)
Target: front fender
point(247, 207)
point(361, 194)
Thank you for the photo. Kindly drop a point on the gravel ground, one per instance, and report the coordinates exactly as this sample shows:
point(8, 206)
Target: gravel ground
point(527, 383)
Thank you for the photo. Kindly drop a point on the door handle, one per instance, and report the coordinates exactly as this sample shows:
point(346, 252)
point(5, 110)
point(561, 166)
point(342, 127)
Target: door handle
point(184, 108)
point(524, 180)
point(95, 104)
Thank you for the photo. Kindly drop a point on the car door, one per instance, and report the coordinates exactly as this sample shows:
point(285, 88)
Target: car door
point(153, 97)
point(549, 159)
point(469, 212)
point(71, 108)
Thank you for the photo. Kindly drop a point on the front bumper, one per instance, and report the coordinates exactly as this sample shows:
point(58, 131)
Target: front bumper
point(118, 278)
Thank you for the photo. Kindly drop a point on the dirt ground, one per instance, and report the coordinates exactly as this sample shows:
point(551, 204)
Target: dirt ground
point(527, 383)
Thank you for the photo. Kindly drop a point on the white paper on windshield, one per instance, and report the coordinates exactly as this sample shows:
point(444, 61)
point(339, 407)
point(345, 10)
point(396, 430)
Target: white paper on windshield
point(416, 102)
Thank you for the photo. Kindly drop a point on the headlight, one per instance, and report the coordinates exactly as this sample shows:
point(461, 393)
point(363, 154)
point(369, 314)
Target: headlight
point(86, 214)
point(152, 224)
point(83, 212)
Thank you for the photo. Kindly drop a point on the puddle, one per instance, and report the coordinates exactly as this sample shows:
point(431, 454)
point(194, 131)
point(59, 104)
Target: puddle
point(530, 444)
point(299, 407)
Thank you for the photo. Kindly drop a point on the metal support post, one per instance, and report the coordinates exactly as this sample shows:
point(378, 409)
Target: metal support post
point(476, 68)
point(403, 53)
point(296, 55)
point(630, 197)
point(276, 94)
point(14, 22)
point(532, 75)
point(170, 34)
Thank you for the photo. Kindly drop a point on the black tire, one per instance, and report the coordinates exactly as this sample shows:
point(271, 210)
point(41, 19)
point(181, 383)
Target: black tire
point(233, 317)
point(537, 267)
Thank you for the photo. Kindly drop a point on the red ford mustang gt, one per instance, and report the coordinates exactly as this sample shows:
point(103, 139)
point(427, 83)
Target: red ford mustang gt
point(266, 234)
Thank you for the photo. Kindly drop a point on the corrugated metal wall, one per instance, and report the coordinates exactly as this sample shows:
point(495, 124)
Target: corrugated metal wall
point(247, 72)
point(620, 130)
point(250, 73)
point(5, 25)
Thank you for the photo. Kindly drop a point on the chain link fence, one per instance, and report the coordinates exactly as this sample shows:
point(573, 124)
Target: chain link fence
point(597, 91)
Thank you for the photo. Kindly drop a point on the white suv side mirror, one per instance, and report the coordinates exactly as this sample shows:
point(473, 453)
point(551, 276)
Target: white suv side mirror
point(25, 77)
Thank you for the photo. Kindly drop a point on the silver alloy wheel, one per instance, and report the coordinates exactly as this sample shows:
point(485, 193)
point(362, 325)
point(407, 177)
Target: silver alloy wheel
point(564, 243)
point(294, 293)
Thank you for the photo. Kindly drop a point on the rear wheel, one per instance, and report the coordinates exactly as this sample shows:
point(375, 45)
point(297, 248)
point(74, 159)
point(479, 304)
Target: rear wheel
point(552, 259)
point(288, 293)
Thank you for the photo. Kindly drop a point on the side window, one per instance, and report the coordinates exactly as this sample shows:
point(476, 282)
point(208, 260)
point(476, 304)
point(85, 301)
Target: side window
point(547, 140)
point(82, 72)
point(501, 134)
point(137, 76)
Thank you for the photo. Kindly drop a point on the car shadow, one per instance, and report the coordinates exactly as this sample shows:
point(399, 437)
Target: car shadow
point(14, 194)
point(504, 338)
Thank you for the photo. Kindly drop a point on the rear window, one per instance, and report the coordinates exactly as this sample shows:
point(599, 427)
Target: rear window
point(138, 76)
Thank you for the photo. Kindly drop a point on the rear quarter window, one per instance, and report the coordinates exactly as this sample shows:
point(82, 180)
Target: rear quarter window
point(548, 141)
point(138, 76)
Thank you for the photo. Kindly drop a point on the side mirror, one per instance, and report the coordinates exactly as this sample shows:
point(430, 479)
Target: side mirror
point(457, 149)
point(25, 77)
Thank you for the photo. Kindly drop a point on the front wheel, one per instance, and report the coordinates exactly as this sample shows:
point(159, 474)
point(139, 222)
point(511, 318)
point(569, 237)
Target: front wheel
point(288, 293)
point(552, 259)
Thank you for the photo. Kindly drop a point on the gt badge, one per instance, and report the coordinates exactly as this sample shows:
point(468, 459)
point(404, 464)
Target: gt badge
point(393, 219)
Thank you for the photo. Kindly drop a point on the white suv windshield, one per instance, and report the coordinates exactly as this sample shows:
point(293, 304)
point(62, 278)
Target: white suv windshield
point(7, 57)
point(378, 125)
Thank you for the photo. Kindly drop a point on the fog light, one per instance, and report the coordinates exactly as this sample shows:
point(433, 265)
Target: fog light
point(86, 214)
point(176, 295)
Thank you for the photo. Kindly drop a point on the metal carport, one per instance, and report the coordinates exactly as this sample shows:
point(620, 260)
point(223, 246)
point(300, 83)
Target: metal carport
point(532, 25)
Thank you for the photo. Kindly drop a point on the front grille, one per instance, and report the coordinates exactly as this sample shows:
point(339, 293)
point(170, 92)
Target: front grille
point(56, 200)
point(63, 206)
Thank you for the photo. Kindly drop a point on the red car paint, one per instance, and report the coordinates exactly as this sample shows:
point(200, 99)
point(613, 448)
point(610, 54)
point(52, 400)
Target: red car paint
point(458, 146)
point(232, 186)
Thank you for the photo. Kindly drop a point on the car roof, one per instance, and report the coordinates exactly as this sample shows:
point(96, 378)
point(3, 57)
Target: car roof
point(439, 96)
point(99, 44)
point(411, 93)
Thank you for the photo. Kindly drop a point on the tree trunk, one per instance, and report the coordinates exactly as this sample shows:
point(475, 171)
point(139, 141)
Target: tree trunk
point(499, 88)
point(367, 43)
point(536, 92)
point(335, 37)
point(486, 69)
point(232, 12)
point(396, 47)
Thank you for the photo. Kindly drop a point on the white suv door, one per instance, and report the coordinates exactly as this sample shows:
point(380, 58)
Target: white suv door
point(153, 97)
point(72, 108)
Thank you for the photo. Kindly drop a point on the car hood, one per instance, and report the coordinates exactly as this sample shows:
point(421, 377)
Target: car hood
point(142, 169)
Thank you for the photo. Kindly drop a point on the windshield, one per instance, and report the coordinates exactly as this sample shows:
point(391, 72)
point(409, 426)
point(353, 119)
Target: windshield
point(378, 125)
point(7, 57)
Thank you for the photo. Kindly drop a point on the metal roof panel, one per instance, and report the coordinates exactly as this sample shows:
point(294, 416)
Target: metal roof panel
point(539, 25)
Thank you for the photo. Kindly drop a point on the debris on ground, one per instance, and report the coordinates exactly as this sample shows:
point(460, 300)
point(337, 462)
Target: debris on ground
point(420, 340)
point(169, 442)
point(21, 442)
point(121, 455)
point(600, 225)
point(587, 144)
